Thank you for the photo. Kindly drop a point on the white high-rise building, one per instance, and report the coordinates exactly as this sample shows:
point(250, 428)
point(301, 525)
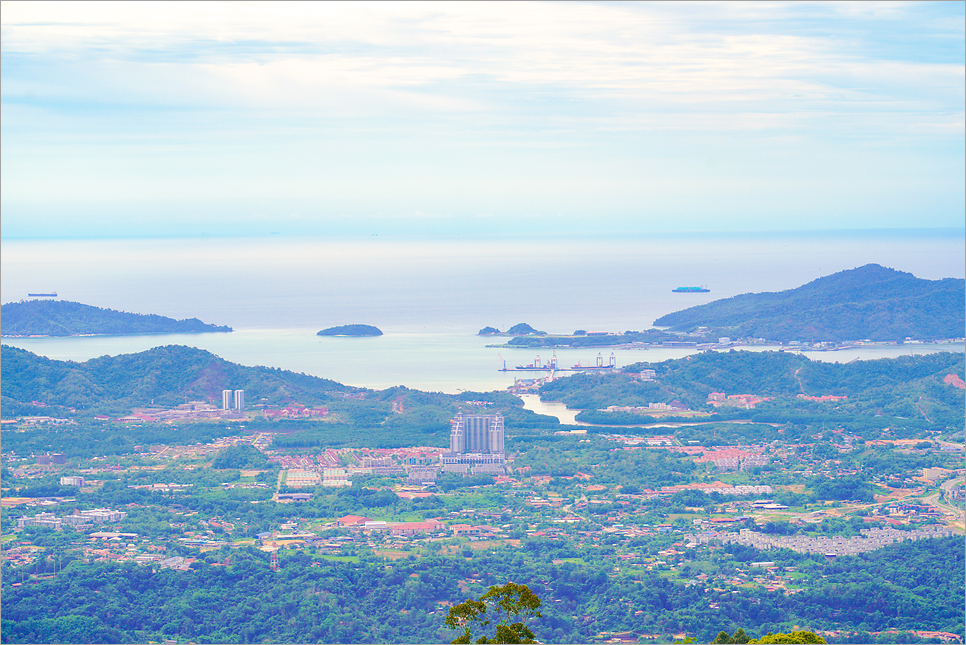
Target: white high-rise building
point(476, 433)
point(475, 444)
point(226, 399)
point(239, 400)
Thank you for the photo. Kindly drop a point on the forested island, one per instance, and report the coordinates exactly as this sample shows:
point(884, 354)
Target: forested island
point(870, 302)
point(65, 318)
point(351, 330)
point(519, 329)
point(629, 528)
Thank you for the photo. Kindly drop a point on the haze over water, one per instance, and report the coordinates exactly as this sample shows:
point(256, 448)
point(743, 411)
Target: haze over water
point(430, 297)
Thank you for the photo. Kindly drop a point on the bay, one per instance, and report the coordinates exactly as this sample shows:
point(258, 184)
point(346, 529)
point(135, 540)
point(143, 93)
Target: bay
point(431, 296)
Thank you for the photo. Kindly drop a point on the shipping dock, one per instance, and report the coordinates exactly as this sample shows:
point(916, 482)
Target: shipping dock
point(551, 366)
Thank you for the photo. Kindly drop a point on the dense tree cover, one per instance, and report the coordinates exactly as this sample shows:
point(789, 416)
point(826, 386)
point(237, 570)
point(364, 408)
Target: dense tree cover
point(95, 438)
point(242, 456)
point(512, 605)
point(351, 330)
point(870, 302)
point(800, 636)
point(738, 638)
point(522, 329)
point(907, 391)
point(312, 599)
point(65, 318)
point(163, 375)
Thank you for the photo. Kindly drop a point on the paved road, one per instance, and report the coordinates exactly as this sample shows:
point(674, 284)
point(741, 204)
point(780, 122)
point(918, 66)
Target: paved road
point(934, 499)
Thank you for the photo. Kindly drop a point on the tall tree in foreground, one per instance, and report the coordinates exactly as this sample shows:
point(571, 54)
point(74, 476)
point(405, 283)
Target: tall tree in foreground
point(511, 602)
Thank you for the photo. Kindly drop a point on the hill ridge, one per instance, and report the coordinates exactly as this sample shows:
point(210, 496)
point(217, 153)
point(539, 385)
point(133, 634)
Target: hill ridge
point(68, 318)
point(869, 302)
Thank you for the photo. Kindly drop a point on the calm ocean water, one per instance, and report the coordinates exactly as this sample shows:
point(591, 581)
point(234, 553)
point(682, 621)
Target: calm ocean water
point(430, 297)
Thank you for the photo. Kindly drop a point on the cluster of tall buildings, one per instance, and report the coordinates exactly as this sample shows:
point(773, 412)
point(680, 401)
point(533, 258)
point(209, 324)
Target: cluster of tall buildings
point(233, 400)
point(476, 444)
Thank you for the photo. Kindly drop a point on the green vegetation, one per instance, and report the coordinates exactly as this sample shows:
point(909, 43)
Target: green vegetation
point(794, 637)
point(351, 330)
point(163, 375)
point(870, 302)
point(605, 530)
point(520, 329)
point(64, 318)
point(317, 599)
point(905, 395)
point(511, 602)
point(241, 457)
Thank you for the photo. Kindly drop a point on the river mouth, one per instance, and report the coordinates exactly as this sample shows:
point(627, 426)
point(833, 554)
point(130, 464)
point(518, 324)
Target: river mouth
point(551, 409)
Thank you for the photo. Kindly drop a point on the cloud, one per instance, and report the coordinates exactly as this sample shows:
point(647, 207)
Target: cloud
point(518, 110)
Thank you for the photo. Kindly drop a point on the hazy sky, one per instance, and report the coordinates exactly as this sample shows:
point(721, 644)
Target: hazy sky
point(469, 119)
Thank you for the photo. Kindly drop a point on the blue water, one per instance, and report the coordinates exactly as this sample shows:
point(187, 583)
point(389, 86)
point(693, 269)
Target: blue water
point(430, 297)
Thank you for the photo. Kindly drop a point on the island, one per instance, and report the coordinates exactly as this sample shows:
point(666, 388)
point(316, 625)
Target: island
point(871, 302)
point(65, 318)
point(351, 330)
point(519, 329)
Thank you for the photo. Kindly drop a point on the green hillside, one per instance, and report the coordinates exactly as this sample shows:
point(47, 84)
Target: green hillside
point(65, 318)
point(870, 302)
point(351, 330)
point(164, 375)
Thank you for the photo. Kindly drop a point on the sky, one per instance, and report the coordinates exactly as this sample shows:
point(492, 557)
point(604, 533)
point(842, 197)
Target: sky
point(471, 119)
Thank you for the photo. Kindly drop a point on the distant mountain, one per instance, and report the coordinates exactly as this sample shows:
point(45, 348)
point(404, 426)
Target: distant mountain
point(870, 302)
point(163, 375)
point(65, 318)
point(351, 330)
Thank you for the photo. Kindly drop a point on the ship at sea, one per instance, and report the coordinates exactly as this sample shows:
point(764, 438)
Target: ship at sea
point(691, 290)
point(42, 295)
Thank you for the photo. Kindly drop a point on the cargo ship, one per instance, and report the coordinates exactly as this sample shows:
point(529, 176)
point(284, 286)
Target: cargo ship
point(42, 295)
point(691, 290)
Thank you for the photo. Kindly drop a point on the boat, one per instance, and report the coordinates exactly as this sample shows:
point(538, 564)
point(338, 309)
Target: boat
point(691, 290)
point(537, 365)
point(42, 295)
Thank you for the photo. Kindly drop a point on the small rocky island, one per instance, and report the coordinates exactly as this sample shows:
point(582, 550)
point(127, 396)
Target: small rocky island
point(65, 318)
point(520, 329)
point(351, 330)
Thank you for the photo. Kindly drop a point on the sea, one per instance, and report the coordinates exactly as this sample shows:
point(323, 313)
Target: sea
point(430, 297)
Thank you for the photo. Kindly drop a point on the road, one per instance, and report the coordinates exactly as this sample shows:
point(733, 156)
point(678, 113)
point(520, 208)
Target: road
point(934, 500)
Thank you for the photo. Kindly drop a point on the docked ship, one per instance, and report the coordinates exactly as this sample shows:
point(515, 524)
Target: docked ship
point(538, 366)
point(691, 290)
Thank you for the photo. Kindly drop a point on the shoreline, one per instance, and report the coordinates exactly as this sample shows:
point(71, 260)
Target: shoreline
point(141, 333)
point(845, 345)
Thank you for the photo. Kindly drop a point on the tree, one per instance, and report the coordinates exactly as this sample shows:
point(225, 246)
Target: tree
point(794, 637)
point(739, 637)
point(509, 602)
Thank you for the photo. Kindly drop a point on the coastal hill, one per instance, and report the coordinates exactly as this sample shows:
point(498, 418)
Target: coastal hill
point(162, 375)
point(65, 318)
point(351, 330)
point(870, 302)
point(519, 329)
